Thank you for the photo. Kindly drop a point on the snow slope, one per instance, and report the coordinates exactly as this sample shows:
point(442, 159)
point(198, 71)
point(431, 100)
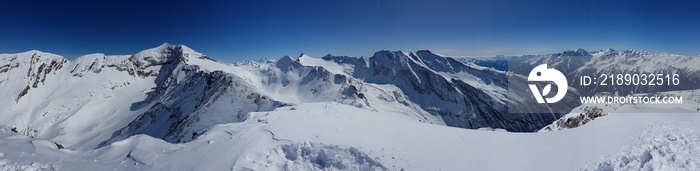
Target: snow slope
point(344, 137)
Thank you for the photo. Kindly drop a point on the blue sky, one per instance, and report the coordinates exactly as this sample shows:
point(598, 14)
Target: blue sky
point(244, 30)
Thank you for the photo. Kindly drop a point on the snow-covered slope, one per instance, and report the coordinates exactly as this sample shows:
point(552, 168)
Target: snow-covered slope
point(65, 100)
point(349, 138)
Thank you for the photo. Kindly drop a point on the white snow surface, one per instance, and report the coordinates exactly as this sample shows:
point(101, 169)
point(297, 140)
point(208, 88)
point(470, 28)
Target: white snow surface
point(328, 65)
point(356, 139)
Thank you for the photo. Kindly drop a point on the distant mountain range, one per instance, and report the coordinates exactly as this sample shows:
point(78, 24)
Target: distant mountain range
point(579, 62)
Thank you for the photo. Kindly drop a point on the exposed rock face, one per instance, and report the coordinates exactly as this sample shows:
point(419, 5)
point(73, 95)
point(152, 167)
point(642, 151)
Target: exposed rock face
point(589, 114)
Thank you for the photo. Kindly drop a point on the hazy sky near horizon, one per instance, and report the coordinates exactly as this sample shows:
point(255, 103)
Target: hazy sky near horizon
point(244, 30)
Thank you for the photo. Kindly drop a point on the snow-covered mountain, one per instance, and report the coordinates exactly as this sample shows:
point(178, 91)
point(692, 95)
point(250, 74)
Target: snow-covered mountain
point(462, 94)
point(579, 62)
point(174, 93)
point(168, 107)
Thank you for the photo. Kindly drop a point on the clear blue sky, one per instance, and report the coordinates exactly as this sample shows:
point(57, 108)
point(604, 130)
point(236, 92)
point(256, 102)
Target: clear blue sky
point(244, 30)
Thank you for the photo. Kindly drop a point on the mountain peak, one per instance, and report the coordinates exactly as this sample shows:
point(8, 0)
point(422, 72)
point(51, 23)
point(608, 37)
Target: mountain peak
point(37, 53)
point(303, 55)
point(165, 53)
point(34, 51)
point(427, 52)
point(624, 53)
point(165, 44)
point(388, 53)
point(382, 52)
point(577, 52)
point(287, 63)
point(161, 48)
point(171, 47)
point(287, 60)
point(424, 51)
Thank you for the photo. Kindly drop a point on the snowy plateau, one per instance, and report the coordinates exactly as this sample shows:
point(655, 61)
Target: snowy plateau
point(172, 108)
